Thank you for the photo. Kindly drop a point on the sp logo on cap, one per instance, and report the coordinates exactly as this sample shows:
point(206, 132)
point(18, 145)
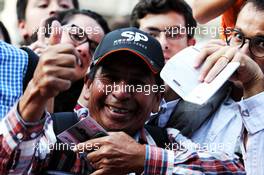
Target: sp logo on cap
point(134, 36)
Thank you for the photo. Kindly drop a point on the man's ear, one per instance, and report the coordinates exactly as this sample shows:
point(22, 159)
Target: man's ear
point(191, 42)
point(22, 29)
point(86, 92)
point(156, 102)
point(87, 85)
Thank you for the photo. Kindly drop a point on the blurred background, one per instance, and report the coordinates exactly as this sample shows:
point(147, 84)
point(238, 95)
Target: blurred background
point(115, 11)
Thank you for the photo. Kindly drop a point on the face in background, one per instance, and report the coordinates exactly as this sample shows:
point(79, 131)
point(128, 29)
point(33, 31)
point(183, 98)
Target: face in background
point(37, 10)
point(156, 24)
point(84, 33)
point(121, 110)
point(250, 23)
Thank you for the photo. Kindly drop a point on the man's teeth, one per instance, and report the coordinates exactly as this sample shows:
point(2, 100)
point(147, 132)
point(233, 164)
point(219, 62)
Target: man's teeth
point(118, 110)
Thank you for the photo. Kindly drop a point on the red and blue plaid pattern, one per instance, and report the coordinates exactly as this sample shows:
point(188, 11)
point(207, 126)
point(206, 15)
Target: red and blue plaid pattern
point(24, 149)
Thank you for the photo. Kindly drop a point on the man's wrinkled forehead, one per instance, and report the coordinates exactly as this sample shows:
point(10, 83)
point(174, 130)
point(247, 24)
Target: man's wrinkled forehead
point(250, 20)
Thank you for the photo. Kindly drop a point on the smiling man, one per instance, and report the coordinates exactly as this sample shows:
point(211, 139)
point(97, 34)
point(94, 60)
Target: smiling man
point(121, 109)
point(125, 58)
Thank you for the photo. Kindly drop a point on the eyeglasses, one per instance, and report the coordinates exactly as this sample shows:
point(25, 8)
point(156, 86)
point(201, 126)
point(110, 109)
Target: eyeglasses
point(78, 36)
point(172, 33)
point(234, 37)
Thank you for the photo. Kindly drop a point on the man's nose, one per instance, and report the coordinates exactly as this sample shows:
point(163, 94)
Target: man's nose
point(121, 90)
point(83, 50)
point(54, 9)
point(163, 41)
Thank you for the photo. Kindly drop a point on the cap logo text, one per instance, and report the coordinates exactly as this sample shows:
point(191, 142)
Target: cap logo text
point(134, 36)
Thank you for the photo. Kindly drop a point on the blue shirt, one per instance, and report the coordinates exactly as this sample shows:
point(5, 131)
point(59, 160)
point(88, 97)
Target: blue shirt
point(214, 135)
point(13, 65)
point(251, 110)
point(225, 131)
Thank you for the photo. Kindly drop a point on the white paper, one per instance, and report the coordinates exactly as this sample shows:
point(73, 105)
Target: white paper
point(182, 77)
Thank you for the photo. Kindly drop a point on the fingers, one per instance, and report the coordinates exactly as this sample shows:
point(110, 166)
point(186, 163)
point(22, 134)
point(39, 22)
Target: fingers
point(216, 69)
point(216, 63)
point(97, 148)
point(56, 70)
point(104, 165)
point(99, 172)
point(117, 154)
point(62, 48)
point(216, 42)
point(65, 73)
point(202, 56)
point(42, 31)
point(209, 62)
point(211, 47)
point(66, 49)
point(39, 46)
point(97, 155)
point(56, 33)
point(51, 86)
point(39, 50)
point(61, 60)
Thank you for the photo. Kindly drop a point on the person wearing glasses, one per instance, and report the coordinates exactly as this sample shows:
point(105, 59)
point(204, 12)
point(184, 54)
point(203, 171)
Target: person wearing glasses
point(171, 22)
point(83, 29)
point(163, 20)
point(245, 44)
point(28, 141)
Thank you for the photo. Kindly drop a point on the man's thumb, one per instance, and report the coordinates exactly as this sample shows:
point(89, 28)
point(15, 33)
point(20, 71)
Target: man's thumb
point(56, 32)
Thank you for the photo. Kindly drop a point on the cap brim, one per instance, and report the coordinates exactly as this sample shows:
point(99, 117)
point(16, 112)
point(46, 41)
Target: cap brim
point(151, 67)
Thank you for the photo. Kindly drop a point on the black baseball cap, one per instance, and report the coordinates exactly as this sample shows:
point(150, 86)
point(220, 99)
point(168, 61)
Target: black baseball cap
point(134, 41)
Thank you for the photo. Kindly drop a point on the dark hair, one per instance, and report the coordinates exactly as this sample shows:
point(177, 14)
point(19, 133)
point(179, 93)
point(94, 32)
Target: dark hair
point(5, 33)
point(21, 6)
point(145, 7)
point(65, 16)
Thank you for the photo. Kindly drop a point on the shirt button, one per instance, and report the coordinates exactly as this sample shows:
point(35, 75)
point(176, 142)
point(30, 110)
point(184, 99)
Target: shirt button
point(33, 135)
point(245, 113)
point(19, 136)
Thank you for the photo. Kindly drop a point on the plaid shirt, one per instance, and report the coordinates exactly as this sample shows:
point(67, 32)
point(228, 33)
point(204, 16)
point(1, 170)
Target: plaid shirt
point(13, 64)
point(24, 150)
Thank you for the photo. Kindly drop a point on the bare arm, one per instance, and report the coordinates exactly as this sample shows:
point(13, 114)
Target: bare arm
point(54, 73)
point(206, 10)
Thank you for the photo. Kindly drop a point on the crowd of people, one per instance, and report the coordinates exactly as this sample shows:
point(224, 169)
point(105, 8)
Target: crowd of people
point(70, 58)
